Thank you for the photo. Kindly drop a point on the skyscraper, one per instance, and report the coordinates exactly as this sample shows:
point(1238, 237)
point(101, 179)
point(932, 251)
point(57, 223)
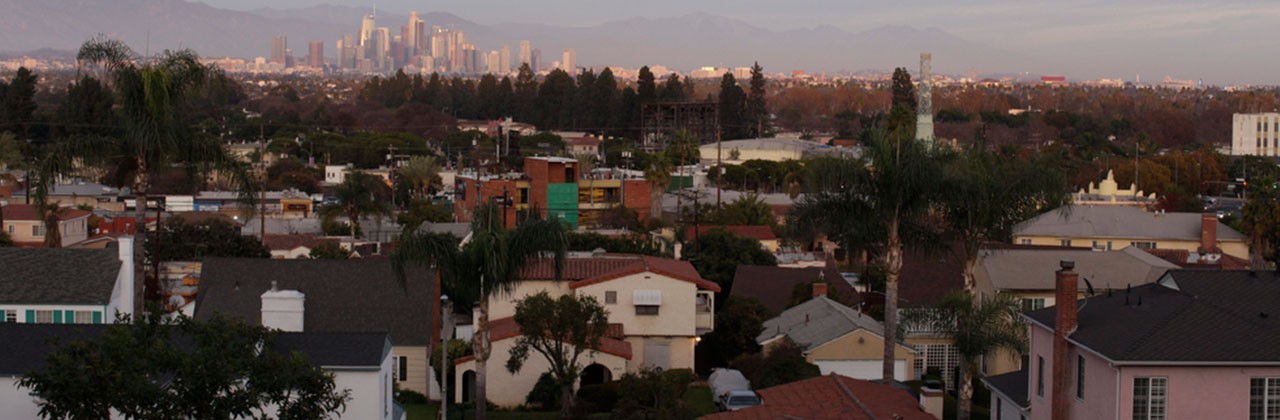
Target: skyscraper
point(411, 38)
point(381, 46)
point(569, 61)
point(279, 49)
point(493, 63)
point(504, 61)
point(366, 30)
point(526, 51)
point(535, 60)
point(315, 55)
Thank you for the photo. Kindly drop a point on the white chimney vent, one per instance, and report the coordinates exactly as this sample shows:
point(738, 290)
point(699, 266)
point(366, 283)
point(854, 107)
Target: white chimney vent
point(283, 309)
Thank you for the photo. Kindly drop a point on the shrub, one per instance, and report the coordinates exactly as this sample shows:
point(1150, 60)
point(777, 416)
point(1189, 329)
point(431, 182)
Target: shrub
point(405, 396)
point(545, 393)
point(601, 398)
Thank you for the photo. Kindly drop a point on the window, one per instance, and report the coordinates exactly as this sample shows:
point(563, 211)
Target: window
point(11, 316)
point(82, 317)
point(1149, 398)
point(1032, 304)
point(1039, 376)
point(1144, 244)
point(1065, 242)
point(647, 309)
point(12, 229)
point(44, 317)
point(1264, 398)
point(37, 231)
point(401, 368)
point(610, 297)
point(1080, 376)
point(1026, 241)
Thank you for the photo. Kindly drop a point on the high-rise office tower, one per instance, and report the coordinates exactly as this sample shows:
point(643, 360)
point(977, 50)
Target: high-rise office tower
point(437, 42)
point(493, 63)
point(315, 54)
point(924, 108)
point(279, 49)
point(411, 38)
point(381, 46)
point(504, 61)
point(526, 51)
point(535, 60)
point(569, 62)
point(347, 51)
point(366, 29)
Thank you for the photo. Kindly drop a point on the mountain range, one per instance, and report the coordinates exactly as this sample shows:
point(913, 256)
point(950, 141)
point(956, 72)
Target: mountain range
point(682, 43)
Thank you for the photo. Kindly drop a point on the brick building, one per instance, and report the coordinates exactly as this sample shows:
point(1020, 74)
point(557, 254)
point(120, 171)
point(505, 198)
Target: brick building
point(551, 186)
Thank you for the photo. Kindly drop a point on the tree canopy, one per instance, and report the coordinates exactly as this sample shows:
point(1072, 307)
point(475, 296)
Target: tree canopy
point(561, 330)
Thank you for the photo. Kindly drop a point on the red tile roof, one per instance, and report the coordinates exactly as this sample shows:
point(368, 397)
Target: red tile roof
point(599, 269)
point(27, 212)
point(759, 233)
point(290, 242)
point(1180, 257)
point(504, 328)
point(832, 397)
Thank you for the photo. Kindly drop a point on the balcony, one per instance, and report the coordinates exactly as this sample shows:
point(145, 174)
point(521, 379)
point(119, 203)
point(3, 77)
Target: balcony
point(704, 314)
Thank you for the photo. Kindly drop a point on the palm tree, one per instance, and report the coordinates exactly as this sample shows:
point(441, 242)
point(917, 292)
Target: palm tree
point(422, 173)
point(988, 193)
point(485, 267)
point(881, 203)
point(978, 328)
point(658, 172)
point(357, 196)
point(153, 93)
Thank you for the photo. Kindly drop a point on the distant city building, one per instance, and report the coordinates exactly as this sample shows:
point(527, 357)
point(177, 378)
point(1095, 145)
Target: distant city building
point(1053, 80)
point(526, 51)
point(315, 55)
point(535, 60)
point(569, 62)
point(1255, 134)
point(504, 61)
point(366, 29)
point(279, 49)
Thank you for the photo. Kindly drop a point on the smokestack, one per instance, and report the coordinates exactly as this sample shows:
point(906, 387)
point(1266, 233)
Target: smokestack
point(819, 289)
point(1064, 324)
point(1208, 234)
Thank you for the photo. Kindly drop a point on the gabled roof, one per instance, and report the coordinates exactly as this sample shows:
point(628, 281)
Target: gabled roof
point(341, 295)
point(1012, 385)
point(28, 213)
point(757, 232)
point(1122, 222)
point(773, 286)
point(927, 277)
point(587, 271)
point(818, 321)
point(506, 328)
point(1189, 316)
point(58, 275)
point(832, 397)
point(1033, 269)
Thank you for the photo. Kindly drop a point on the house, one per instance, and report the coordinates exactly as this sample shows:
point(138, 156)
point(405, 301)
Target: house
point(658, 308)
point(763, 234)
point(332, 296)
point(66, 286)
point(554, 187)
point(361, 363)
point(26, 228)
point(1114, 227)
point(777, 287)
point(584, 145)
point(1026, 273)
point(927, 277)
point(294, 246)
point(839, 397)
point(80, 193)
point(1195, 344)
point(1008, 395)
point(836, 338)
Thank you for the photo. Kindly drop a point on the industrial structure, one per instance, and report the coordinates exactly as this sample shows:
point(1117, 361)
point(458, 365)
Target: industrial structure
point(924, 108)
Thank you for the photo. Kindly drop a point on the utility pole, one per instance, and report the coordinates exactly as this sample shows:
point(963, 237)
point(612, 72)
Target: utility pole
point(719, 166)
point(262, 194)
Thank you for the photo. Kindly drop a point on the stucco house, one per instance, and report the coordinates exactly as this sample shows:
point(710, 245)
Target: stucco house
point(27, 229)
point(361, 363)
point(294, 246)
point(1115, 227)
point(1195, 344)
point(66, 286)
point(658, 308)
point(333, 296)
point(836, 338)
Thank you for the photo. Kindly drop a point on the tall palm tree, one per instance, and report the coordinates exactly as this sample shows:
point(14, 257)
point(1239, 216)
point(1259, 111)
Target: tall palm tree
point(485, 267)
point(422, 173)
point(357, 196)
point(978, 328)
point(880, 202)
point(658, 171)
point(988, 193)
point(153, 92)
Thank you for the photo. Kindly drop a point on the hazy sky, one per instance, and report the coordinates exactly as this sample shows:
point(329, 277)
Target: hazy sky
point(1108, 38)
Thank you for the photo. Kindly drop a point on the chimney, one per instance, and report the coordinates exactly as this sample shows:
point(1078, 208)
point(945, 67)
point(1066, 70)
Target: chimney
point(931, 400)
point(283, 309)
point(1064, 324)
point(819, 289)
point(1208, 234)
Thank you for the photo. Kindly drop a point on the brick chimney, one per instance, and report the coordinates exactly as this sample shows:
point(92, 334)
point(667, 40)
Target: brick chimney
point(819, 289)
point(1209, 234)
point(1064, 324)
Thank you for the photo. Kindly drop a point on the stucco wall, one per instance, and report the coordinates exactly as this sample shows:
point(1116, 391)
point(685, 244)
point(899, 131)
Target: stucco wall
point(509, 390)
point(1198, 392)
point(862, 345)
point(366, 392)
point(16, 402)
point(679, 356)
point(1233, 248)
point(676, 316)
point(505, 306)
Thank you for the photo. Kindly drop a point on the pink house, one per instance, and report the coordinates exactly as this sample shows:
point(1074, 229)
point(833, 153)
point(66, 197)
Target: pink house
point(1194, 345)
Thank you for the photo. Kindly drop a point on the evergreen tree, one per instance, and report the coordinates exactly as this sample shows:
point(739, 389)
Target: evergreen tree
point(627, 115)
point(86, 109)
point(555, 100)
point(733, 122)
point(583, 117)
point(438, 94)
point(757, 111)
point(672, 89)
point(19, 105)
point(526, 94)
point(604, 101)
point(505, 97)
point(487, 94)
point(646, 87)
point(902, 114)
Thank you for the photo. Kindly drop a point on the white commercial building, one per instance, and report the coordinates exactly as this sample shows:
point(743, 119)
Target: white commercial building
point(1255, 134)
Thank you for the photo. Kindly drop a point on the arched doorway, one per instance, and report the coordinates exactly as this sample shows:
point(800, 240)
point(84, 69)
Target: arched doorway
point(595, 374)
point(468, 385)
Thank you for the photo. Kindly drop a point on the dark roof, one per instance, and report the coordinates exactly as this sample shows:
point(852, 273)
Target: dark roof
point(1013, 385)
point(928, 276)
point(58, 276)
point(772, 286)
point(601, 268)
point(26, 346)
point(335, 349)
point(341, 295)
point(27, 212)
point(1174, 319)
point(832, 397)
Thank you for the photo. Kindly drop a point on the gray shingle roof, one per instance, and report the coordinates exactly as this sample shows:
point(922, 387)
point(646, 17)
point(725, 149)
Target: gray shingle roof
point(1012, 385)
point(818, 321)
point(341, 295)
point(1119, 222)
point(1189, 316)
point(27, 345)
point(336, 349)
point(58, 276)
point(1033, 269)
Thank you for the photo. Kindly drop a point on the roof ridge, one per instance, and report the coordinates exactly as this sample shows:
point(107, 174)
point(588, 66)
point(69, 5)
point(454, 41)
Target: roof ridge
point(849, 393)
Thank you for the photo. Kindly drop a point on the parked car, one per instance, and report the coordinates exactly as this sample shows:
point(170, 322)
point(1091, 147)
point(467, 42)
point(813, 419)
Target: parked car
point(731, 390)
point(739, 399)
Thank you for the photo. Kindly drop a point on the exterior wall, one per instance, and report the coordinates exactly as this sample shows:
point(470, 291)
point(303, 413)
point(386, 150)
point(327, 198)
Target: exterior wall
point(17, 402)
point(468, 199)
point(1008, 410)
point(509, 390)
point(1197, 392)
point(73, 231)
point(1100, 394)
point(367, 393)
point(1042, 347)
point(418, 370)
point(25, 316)
point(862, 345)
point(708, 153)
point(505, 306)
point(680, 354)
point(1247, 139)
point(676, 317)
point(1237, 249)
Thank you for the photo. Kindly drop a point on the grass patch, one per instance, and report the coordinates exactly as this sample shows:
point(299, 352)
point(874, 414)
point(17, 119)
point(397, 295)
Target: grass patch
point(698, 400)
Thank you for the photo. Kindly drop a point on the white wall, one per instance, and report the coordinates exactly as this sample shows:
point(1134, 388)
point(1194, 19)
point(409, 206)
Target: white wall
point(16, 402)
